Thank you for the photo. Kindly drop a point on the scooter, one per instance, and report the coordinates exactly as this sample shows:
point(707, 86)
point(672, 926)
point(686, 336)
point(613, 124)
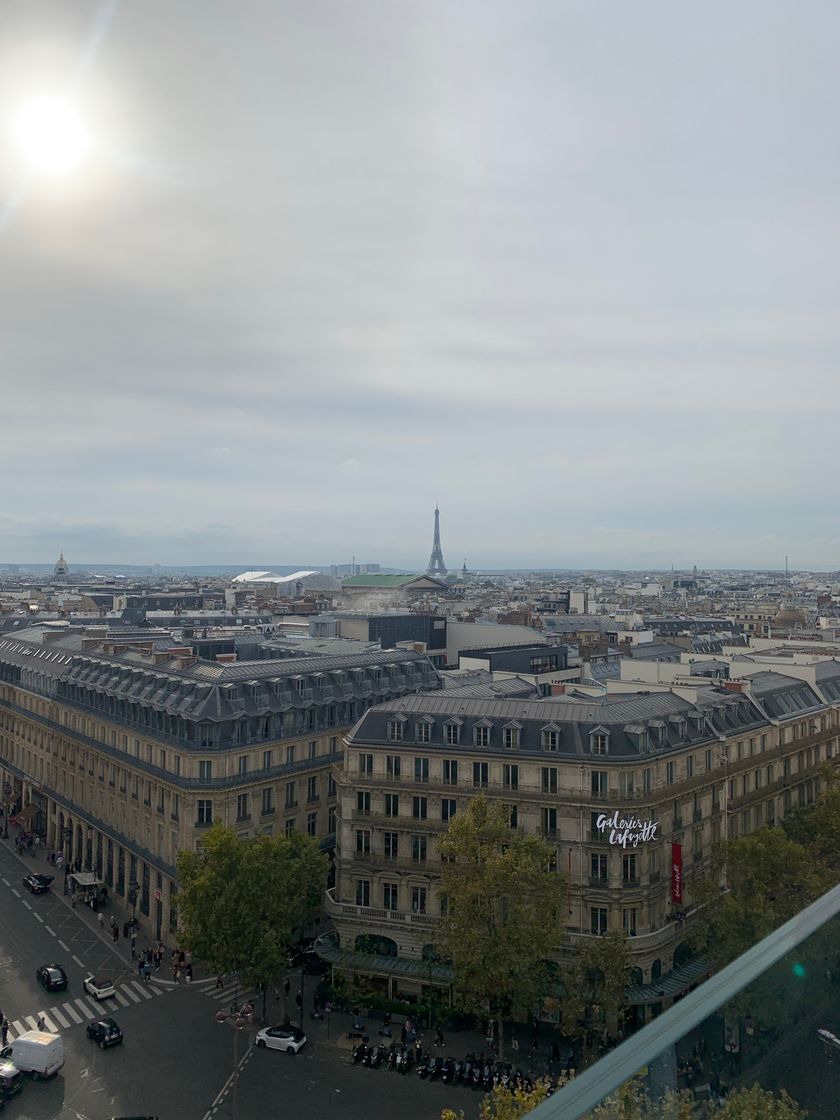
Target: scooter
point(458, 1072)
point(422, 1066)
point(447, 1071)
point(359, 1052)
point(436, 1068)
point(487, 1077)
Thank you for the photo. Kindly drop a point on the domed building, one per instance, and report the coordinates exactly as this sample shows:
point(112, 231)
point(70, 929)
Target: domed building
point(789, 617)
point(61, 571)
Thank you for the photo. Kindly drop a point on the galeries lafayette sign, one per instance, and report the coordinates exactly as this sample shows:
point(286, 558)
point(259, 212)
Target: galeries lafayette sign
point(626, 832)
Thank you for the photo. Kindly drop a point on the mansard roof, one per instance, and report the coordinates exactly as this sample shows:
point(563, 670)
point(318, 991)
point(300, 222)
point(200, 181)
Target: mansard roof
point(207, 690)
point(719, 712)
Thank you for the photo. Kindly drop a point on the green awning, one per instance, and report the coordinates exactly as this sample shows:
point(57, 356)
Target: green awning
point(428, 971)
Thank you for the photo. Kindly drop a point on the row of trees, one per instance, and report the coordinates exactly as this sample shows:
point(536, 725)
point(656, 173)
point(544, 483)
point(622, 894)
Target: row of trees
point(631, 1102)
point(760, 881)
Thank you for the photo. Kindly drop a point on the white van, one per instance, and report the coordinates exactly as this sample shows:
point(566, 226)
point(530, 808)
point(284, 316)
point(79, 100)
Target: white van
point(37, 1052)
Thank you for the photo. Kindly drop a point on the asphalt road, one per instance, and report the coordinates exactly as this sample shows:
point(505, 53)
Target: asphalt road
point(177, 1061)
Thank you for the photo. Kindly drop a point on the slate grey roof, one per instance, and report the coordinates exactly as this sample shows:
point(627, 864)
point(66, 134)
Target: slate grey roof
point(655, 651)
point(292, 666)
point(637, 725)
point(122, 684)
point(781, 697)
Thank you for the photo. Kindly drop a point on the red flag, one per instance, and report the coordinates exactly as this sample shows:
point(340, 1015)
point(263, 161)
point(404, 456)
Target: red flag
point(676, 873)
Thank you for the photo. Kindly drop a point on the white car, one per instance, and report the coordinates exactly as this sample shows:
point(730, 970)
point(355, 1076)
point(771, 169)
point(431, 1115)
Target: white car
point(99, 989)
point(289, 1039)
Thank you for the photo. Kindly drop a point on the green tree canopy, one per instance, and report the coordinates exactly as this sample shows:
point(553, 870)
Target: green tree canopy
point(504, 910)
point(769, 878)
point(243, 902)
point(597, 984)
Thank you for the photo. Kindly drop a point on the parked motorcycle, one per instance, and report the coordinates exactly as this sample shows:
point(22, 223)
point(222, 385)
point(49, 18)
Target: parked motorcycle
point(423, 1066)
point(359, 1052)
point(447, 1071)
point(436, 1068)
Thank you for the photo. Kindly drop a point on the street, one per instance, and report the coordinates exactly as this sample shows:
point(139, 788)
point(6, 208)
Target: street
point(176, 1061)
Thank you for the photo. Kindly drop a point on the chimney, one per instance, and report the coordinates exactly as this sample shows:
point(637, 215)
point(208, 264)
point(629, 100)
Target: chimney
point(733, 686)
point(225, 658)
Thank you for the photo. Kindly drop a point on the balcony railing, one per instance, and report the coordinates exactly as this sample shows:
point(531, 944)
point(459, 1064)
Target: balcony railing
point(376, 913)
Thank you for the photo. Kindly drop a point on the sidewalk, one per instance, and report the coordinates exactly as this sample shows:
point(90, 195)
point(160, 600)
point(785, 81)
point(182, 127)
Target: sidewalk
point(115, 906)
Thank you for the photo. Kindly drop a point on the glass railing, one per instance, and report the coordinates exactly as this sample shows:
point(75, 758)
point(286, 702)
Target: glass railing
point(771, 1018)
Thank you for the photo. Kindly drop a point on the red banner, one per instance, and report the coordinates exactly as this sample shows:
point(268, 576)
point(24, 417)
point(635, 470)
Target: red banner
point(676, 873)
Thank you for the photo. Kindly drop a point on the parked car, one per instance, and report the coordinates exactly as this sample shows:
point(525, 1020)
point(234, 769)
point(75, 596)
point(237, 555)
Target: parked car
point(11, 1081)
point(52, 977)
point(38, 884)
point(290, 1039)
point(105, 1032)
point(99, 988)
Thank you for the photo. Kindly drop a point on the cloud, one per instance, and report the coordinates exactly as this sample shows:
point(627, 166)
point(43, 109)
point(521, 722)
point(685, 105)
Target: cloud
point(575, 280)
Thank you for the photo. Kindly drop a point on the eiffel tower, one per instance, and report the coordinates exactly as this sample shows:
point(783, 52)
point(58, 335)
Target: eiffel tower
point(436, 566)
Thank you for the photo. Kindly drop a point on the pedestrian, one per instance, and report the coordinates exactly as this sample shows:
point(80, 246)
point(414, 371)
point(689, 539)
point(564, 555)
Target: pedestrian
point(4, 1031)
point(140, 966)
point(42, 1026)
point(73, 900)
point(439, 1037)
point(188, 957)
point(115, 932)
point(418, 1051)
point(176, 974)
point(100, 917)
point(182, 958)
point(147, 972)
point(188, 974)
point(219, 981)
point(299, 999)
point(133, 944)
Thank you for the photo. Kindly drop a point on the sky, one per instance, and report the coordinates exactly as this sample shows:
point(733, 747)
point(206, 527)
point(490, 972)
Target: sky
point(568, 269)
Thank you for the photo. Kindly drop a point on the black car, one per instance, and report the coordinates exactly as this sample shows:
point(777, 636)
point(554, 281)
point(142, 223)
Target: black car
point(52, 977)
point(105, 1032)
point(38, 884)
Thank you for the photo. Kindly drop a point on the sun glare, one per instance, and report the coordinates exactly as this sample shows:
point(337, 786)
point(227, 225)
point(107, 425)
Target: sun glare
point(51, 135)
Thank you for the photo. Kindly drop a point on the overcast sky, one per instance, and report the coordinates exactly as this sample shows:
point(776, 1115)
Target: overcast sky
point(569, 268)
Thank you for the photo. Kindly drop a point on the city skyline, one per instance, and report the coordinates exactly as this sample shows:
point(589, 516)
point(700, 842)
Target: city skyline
point(582, 294)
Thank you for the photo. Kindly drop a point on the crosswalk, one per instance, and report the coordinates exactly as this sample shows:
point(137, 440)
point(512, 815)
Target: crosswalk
point(231, 990)
point(83, 1010)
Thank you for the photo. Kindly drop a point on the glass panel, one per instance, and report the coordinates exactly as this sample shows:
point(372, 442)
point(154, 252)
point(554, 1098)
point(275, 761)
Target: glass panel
point(767, 1023)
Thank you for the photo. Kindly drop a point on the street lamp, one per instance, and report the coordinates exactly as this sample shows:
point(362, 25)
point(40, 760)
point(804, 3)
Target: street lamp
point(241, 1019)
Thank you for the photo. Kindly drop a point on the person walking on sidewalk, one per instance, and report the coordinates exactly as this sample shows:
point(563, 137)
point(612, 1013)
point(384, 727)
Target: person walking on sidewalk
point(219, 983)
point(4, 1031)
point(101, 919)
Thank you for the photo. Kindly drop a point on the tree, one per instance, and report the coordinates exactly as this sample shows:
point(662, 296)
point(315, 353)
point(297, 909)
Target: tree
point(597, 985)
point(242, 902)
point(817, 828)
point(769, 879)
point(760, 1104)
point(502, 1104)
point(504, 907)
point(631, 1102)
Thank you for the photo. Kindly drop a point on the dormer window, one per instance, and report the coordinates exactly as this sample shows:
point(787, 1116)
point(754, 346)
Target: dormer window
point(510, 737)
point(481, 735)
point(599, 742)
point(452, 734)
point(423, 731)
point(395, 730)
point(550, 738)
